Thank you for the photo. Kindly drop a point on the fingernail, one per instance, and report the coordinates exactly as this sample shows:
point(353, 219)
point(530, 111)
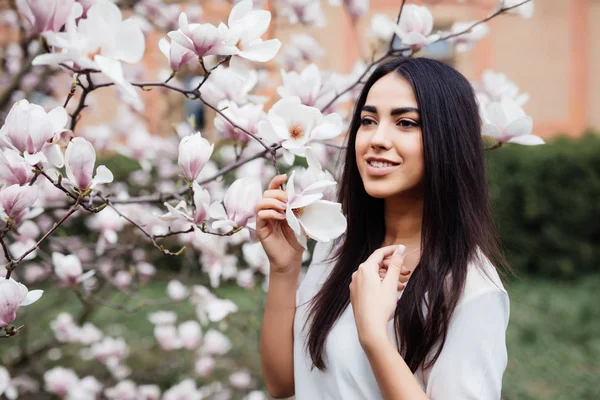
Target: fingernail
point(282, 204)
point(400, 250)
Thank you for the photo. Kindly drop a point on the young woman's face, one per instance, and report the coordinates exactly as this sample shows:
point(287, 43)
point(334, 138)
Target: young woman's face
point(389, 150)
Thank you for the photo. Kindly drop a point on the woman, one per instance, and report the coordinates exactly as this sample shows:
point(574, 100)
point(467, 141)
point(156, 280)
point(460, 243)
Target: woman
point(414, 193)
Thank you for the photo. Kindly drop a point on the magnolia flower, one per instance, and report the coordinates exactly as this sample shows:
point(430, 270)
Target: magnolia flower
point(232, 83)
point(186, 389)
point(80, 158)
point(246, 26)
point(162, 317)
point(167, 337)
point(177, 55)
point(255, 395)
point(496, 86)
point(148, 392)
point(297, 125)
point(415, 26)
point(525, 10)
point(247, 117)
point(382, 27)
point(301, 47)
point(217, 309)
point(356, 8)
point(13, 168)
point(124, 390)
point(28, 128)
point(204, 366)
point(255, 256)
point(101, 41)
point(12, 296)
point(180, 211)
point(60, 381)
point(15, 199)
point(203, 39)
point(65, 329)
point(177, 290)
point(47, 15)
point(190, 334)
point(7, 388)
point(467, 40)
point(240, 205)
point(306, 85)
point(194, 153)
point(68, 269)
point(506, 122)
point(306, 12)
point(215, 343)
point(240, 380)
point(110, 350)
point(307, 214)
point(87, 388)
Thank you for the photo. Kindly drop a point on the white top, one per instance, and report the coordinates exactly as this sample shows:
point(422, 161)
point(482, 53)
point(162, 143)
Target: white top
point(470, 365)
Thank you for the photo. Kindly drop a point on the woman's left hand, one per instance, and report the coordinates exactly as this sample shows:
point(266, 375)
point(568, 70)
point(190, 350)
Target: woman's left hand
point(374, 299)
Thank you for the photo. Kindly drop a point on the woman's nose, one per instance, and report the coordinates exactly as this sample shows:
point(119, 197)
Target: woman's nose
point(379, 140)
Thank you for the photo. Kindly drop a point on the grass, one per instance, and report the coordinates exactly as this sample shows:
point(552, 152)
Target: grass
point(553, 338)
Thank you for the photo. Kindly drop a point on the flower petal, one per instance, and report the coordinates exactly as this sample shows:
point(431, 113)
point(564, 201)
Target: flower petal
point(32, 297)
point(323, 220)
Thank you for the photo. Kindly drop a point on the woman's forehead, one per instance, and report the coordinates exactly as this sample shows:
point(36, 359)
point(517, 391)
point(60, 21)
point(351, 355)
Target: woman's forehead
point(391, 91)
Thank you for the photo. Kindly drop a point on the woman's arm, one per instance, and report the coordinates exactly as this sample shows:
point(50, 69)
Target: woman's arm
point(277, 336)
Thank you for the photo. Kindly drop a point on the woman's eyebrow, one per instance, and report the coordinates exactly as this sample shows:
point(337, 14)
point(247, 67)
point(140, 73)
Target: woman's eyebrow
point(395, 111)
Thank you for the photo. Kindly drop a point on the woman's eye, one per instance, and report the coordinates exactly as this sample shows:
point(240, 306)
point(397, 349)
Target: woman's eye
point(366, 121)
point(405, 123)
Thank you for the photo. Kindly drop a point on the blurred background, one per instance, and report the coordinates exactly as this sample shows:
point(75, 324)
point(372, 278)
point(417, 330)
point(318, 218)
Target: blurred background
point(546, 198)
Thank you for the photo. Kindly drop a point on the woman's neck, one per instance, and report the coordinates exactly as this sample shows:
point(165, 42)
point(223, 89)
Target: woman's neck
point(403, 220)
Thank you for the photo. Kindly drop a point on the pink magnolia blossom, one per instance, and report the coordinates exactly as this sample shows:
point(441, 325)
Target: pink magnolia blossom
point(65, 329)
point(12, 296)
point(240, 202)
point(110, 350)
point(15, 199)
point(203, 39)
point(204, 366)
point(80, 159)
point(247, 117)
point(415, 26)
point(124, 390)
point(60, 381)
point(240, 380)
point(467, 40)
point(68, 269)
point(177, 55)
point(46, 15)
point(28, 128)
point(185, 389)
point(13, 168)
point(190, 334)
point(194, 153)
point(301, 48)
point(306, 84)
point(215, 343)
point(148, 392)
point(167, 337)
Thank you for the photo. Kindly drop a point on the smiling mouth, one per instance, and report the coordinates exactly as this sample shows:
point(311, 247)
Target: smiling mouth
point(382, 164)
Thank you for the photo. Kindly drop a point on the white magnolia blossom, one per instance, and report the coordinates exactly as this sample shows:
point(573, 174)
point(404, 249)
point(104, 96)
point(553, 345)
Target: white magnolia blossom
point(194, 153)
point(306, 12)
point(12, 296)
point(49, 15)
point(301, 48)
point(7, 388)
point(101, 41)
point(467, 40)
point(308, 215)
point(68, 268)
point(506, 122)
point(246, 117)
point(305, 85)
point(382, 27)
point(297, 125)
point(177, 290)
point(415, 26)
point(496, 86)
point(13, 168)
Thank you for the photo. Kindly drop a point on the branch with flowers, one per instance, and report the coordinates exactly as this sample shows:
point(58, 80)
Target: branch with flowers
point(104, 235)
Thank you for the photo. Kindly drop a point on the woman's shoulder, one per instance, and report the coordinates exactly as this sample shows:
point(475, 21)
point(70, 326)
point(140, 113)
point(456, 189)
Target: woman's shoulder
point(483, 285)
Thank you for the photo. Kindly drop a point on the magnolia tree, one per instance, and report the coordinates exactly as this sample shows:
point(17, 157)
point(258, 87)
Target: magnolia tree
point(67, 225)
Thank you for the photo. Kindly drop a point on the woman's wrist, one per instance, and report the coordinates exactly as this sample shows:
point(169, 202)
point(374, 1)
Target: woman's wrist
point(373, 338)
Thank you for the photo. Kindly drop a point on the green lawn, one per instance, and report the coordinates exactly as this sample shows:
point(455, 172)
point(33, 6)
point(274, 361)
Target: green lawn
point(553, 338)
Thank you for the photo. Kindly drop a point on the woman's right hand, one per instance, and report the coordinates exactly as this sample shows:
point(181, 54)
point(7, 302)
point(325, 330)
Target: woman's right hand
point(277, 238)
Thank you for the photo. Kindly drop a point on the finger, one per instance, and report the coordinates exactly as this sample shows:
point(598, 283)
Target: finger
point(401, 286)
point(276, 194)
point(379, 255)
point(277, 181)
point(403, 271)
point(268, 204)
point(265, 215)
point(393, 272)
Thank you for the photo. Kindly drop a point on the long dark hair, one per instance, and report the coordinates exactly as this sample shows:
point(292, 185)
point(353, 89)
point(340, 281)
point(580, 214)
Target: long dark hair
point(456, 215)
